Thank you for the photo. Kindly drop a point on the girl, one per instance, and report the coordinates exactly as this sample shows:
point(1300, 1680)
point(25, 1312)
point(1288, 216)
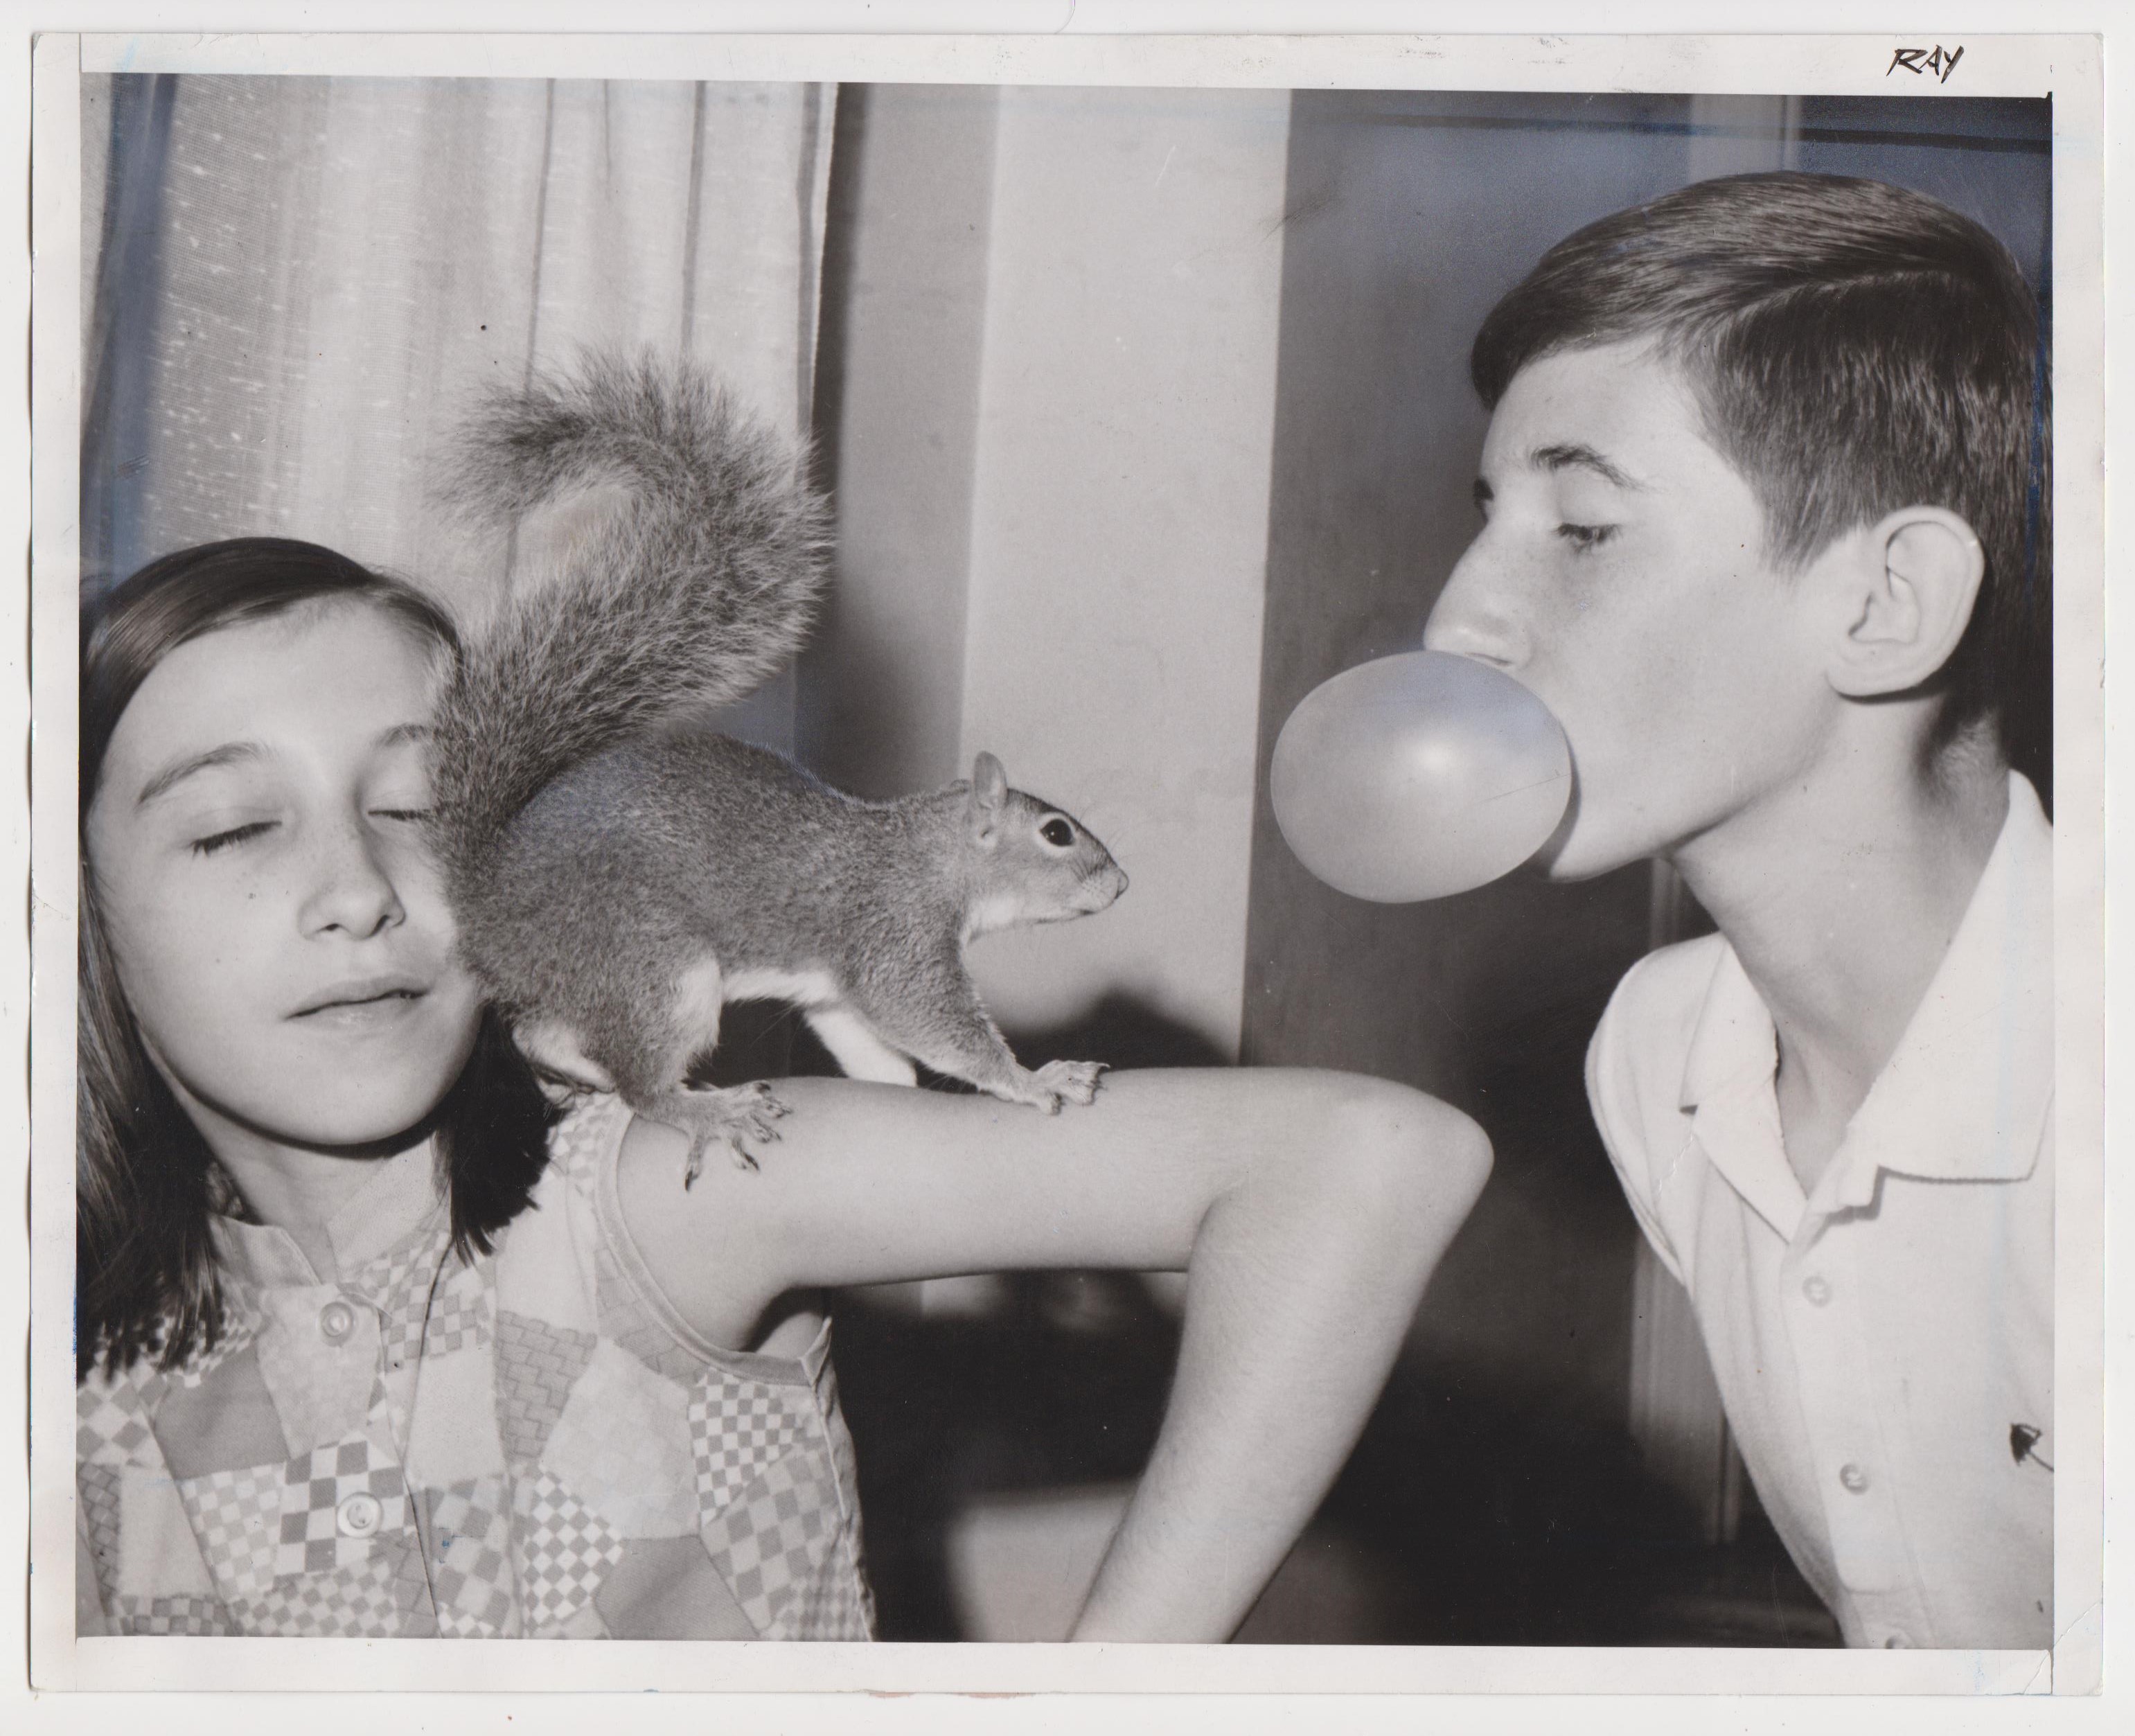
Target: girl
point(374, 1341)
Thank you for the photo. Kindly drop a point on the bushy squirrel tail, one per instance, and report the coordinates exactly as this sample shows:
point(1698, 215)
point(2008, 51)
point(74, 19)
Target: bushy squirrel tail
point(698, 592)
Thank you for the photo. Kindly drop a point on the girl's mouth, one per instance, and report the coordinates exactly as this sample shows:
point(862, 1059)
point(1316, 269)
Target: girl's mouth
point(378, 1013)
point(367, 1001)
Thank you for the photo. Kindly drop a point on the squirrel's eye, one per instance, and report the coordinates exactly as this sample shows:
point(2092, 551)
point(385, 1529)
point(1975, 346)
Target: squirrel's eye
point(1057, 832)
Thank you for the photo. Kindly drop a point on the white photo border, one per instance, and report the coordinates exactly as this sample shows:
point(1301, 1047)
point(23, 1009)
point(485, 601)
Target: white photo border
point(2069, 68)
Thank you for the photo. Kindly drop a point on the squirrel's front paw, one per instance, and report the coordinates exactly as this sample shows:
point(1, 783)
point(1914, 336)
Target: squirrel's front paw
point(1076, 1080)
point(724, 1116)
point(1056, 1082)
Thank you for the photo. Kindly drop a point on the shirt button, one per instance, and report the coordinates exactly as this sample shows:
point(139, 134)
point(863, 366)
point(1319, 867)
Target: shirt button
point(1897, 1643)
point(1853, 1478)
point(336, 1320)
point(358, 1516)
point(1817, 1290)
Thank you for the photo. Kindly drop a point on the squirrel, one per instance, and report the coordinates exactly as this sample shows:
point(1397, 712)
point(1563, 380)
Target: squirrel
point(619, 873)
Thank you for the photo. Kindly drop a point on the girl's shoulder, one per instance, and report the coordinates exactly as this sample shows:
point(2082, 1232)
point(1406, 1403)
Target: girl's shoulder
point(587, 1140)
point(570, 1264)
point(550, 1256)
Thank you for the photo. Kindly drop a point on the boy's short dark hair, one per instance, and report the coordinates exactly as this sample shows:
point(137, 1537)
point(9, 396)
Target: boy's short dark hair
point(1855, 348)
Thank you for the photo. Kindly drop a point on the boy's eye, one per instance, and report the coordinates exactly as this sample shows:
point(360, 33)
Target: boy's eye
point(1584, 537)
point(405, 814)
point(237, 834)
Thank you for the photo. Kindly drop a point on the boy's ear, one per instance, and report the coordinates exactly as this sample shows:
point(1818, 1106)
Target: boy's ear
point(1911, 579)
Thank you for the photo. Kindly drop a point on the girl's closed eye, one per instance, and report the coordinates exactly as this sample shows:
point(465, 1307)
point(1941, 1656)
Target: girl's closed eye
point(232, 836)
point(398, 800)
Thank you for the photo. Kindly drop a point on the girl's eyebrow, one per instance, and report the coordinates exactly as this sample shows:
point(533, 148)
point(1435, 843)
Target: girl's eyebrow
point(229, 753)
point(232, 753)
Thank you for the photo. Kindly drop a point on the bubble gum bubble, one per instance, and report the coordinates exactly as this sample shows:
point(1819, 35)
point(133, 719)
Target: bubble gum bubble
point(1419, 775)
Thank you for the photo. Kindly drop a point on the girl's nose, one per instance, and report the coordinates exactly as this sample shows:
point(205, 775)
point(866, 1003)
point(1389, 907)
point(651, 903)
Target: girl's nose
point(1475, 615)
point(351, 893)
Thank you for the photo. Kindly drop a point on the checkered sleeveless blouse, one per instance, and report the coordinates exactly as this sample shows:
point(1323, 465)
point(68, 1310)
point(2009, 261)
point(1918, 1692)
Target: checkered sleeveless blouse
point(532, 1444)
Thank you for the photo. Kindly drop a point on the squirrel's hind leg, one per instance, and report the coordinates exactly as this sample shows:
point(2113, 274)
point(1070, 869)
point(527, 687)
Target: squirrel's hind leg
point(726, 1116)
point(650, 1069)
point(554, 1048)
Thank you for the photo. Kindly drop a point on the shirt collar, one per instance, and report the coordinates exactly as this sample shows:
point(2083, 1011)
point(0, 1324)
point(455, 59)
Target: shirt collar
point(1967, 1092)
point(1727, 1081)
point(396, 1200)
point(1965, 1095)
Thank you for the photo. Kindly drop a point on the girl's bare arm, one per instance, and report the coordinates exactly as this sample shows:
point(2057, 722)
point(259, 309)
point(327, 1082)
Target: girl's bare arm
point(1308, 1210)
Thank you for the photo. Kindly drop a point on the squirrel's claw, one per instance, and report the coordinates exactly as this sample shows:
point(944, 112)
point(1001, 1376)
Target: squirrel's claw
point(1046, 1088)
point(726, 1117)
point(741, 1160)
point(1075, 1080)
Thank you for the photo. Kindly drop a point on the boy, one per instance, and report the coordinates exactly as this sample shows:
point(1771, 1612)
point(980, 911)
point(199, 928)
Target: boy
point(1764, 492)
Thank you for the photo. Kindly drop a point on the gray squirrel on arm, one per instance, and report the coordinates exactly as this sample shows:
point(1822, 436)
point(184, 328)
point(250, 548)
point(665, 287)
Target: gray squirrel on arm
point(619, 875)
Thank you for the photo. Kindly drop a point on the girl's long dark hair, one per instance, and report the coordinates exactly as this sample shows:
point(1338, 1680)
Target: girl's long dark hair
point(145, 1276)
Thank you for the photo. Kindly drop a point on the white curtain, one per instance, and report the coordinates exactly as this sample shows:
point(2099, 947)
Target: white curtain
point(298, 284)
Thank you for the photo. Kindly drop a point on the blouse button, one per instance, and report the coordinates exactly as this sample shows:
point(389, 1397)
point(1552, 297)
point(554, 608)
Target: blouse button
point(358, 1515)
point(1817, 1290)
point(1854, 1479)
point(336, 1320)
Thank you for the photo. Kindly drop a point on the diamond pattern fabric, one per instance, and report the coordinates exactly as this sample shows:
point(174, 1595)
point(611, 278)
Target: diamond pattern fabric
point(111, 1424)
point(836, 1606)
point(237, 1517)
point(770, 1543)
point(536, 1364)
point(241, 1320)
point(623, 1443)
point(368, 1599)
point(554, 1452)
point(462, 1315)
point(737, 1428)
point(99, 1485)
point(195, 1616)
point(564, 1549)
point(470, 1530)
point(324, 1494)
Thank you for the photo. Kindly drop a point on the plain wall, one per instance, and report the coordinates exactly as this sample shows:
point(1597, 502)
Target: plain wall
point(1048, 409)
point(897, 395)
point(1119, 543)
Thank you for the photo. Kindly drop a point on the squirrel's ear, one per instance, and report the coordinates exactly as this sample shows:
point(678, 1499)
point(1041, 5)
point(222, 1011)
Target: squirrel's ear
point(988, 790)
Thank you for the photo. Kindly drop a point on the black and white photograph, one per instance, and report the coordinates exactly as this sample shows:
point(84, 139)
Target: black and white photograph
point(1267, 854)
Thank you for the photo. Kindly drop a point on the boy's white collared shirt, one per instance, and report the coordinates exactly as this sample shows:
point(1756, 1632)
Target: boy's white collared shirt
point(1884, 1346)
